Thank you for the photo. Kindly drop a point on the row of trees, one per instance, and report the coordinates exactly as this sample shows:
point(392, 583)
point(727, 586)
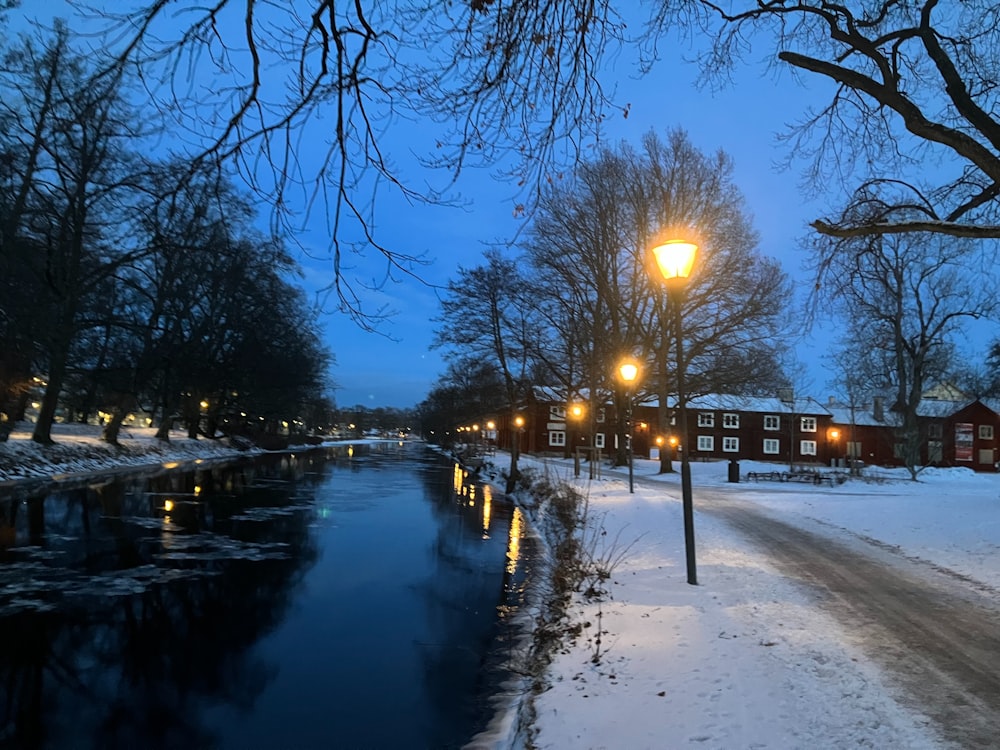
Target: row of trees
point(581, 296)
point(130, 282)
point(906, 144)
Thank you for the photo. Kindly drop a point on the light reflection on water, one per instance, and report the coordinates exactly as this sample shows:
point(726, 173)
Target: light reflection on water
point(292, 602)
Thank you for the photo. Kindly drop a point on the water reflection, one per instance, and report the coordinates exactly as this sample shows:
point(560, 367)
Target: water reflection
point(290, 601)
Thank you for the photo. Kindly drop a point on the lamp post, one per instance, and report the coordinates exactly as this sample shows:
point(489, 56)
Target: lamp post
point(628, 371)
point(675, 259)
point(515, 452)
point(575, 415)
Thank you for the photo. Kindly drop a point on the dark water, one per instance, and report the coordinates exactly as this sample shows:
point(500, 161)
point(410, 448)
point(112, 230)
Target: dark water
point(308, 601)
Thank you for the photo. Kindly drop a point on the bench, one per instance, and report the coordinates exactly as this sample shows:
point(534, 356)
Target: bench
point(808, 477)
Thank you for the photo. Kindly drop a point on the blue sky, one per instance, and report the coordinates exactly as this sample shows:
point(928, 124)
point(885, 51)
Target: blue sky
point(397, 367)
point(743, 120)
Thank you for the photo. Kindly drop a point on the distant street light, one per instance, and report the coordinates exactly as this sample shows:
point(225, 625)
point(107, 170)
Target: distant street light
point(628, 371)
point(515, 452)
point(675, 259)
point(576, 415)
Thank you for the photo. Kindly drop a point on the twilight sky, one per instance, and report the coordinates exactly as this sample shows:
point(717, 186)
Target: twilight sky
point(743, 121)
point(396, 367)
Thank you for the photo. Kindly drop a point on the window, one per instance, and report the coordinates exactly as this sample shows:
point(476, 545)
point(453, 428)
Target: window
point(731, 421)
point(986, 433)
point(599, 440)
point(772, 422)
point(771, 446)
point(557, 437)
point(730, 444)
point(934, 430)
point(706, 443)
point(854, 449)
point(600, 415)
point(807, 447)
point(557, 412)
point(706, 419)
point(808, 424)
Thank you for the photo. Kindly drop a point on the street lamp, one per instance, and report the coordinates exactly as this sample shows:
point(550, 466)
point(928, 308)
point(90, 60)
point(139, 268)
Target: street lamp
point(575, 415)
point(834, 436)
point(515, 452)
point(628, 371)
point(675, 258)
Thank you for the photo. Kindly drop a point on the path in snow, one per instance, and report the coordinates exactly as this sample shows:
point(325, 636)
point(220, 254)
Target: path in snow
point(936, 636)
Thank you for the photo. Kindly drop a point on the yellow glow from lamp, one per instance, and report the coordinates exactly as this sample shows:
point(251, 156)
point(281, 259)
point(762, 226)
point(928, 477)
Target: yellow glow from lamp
point(675, 258)
point(628, 370)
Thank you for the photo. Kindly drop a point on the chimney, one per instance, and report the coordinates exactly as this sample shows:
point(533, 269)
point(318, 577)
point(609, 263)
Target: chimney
point(786, 395)
point(878, 409)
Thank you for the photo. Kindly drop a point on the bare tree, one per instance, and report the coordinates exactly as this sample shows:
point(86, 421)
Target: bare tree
point(252, 81)
point(588, 265)
point(734, 322)
point(75, 182)
point(486, 318)
point(910, 295)
point(911, 130)
point(589, 242)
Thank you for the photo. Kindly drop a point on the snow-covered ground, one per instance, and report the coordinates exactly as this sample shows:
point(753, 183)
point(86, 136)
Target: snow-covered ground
point(78, 449)
point(744, 659)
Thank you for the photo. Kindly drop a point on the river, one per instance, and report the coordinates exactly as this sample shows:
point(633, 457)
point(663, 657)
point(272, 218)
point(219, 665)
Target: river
point(352, 598)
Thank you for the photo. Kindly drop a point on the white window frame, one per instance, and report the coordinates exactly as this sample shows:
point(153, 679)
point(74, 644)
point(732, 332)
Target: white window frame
point(706, 419)
point(730, 444)
point(772, 422)
point(772, 446)
point(557, 412)
point(557, 438)
point(731, 421)
point(985, 432)
point(598, 439)
point(807, 424)
point(807, 447)
point(600, 415)
point(706, 443)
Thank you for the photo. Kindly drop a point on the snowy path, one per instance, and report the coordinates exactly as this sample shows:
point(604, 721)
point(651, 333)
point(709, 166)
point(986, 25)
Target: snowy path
point(936, 637)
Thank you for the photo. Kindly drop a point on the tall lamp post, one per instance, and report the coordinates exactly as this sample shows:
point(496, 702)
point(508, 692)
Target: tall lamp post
point(628, 371)
point(675, 258)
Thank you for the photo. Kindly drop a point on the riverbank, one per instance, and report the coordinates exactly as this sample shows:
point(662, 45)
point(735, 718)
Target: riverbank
point(78, 449)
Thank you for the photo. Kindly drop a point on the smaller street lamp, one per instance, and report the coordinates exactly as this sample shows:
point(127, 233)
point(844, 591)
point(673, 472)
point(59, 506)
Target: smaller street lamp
point(576, 416)
point(628, 371)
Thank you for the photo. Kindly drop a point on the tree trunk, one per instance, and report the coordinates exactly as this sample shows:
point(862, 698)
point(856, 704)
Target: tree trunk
point(50, 399)
point(166, 424)
point(125, 404)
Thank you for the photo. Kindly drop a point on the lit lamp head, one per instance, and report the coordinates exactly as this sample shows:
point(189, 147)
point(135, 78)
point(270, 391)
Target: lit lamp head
point(675, 259)
point(576, 411)
point(629, 371)
point(519, 421)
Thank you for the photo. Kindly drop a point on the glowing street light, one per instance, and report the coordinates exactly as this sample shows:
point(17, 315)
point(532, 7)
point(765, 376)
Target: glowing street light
point(675, 260)
point(628, 371)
